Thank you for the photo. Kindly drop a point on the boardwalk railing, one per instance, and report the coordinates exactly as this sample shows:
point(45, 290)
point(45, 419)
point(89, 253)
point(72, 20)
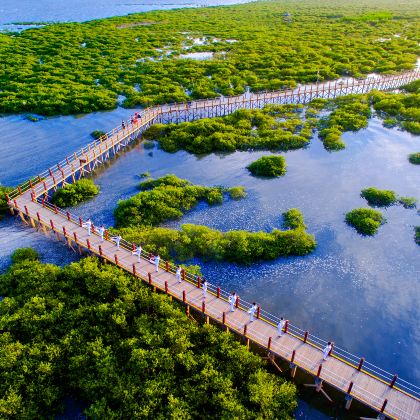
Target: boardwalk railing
point(302, 94)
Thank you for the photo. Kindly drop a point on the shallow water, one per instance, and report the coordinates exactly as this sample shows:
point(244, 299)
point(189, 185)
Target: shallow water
point(361, 292)
point(12, 11)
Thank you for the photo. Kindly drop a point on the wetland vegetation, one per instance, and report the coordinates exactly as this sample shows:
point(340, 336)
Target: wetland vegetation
point(90, 331)
point(72, 194)
point(414, 158)
point(69, 68)
point(379, 198)
point(268, 166)
point(4, 208)
point(365, 221)
point(169, 197)
point(275, 127)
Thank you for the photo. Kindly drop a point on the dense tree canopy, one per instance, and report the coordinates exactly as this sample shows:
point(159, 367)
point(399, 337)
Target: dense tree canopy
point(92, 332)
point(82, 67)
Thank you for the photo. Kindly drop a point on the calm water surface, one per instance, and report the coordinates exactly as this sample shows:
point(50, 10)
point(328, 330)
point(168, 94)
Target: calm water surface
point(17, 11)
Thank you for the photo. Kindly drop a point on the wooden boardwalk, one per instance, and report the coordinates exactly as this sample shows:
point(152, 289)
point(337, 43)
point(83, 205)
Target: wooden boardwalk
point(356, 378)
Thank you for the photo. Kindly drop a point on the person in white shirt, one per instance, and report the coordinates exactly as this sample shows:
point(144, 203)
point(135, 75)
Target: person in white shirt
point(326, 351)
point(178, 274)
point(137, 252)
point(280, 327)
point(252, 311)
point(157, 261)
point(101, 232)
point(232, 301)
point(204, 285)
point(88, 226)
point(117, 240)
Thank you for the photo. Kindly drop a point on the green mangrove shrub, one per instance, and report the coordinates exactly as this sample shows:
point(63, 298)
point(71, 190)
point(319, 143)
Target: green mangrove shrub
point(238, 246)
point(4, 208)
point(414, 158)
point(365, 221)
point(90, 331)
point(24, 254)
point(97, 134)
point(268, 166)
point(72, 194)
point(293, 219)
point(379, 198)
point(408, 202)
point(348, 113)
point(417, 234)
point(237, 193)
point(163, 199)
point(276, 127)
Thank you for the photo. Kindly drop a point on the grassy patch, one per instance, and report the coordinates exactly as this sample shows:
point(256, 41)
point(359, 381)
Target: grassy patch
point(365, 221)
point(73, 194)
point(268, 166)
point(414, 158)
point(379, 198)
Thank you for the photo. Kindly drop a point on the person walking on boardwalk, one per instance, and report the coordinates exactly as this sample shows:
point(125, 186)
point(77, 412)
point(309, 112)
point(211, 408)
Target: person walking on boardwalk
point(88, 226)
point(204, 285)
point(252, 311)
point(101, 232)
point(232, 301)
point(280, 327)
point(137, 252)
point(117, 240)
point(326, 351)
point(178, 274)
point(157, 261)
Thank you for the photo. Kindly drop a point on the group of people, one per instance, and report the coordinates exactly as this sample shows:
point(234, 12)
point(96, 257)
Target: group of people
point(90, 227)
point(133, 120)
point(233, 297)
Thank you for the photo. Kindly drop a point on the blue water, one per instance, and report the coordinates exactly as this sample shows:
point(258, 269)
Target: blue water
point(12, 11)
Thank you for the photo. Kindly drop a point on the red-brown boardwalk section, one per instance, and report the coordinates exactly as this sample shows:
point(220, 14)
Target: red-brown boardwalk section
point(358, 379)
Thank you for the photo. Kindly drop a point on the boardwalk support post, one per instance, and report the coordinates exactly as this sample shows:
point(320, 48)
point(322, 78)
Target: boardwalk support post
point(184, 296)
point(166, 287)
point(362, 360)
point(348, 396)
point(218, 292)
point(318, 384)
point(394, 379)
point(305, 337)
point(150, 278)
point(293, 366)
point(224, 318)
point(258, 312)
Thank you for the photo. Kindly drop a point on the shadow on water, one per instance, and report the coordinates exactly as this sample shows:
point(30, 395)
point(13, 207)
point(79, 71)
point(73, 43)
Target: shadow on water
point(361, 292)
